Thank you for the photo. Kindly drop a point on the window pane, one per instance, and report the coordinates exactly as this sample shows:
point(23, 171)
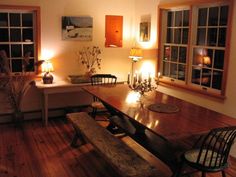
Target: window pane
point(15, 35)
point(212, 37)
point(16, 65)
point(206, 77)
point(186, 18)
point(4, 35)
point(182, 54)
point(202, 16)
point(28, 35)
point(5, 48)
point(224, 15)
point(30, 66)
point(181, 72)
point(15, 20)
point(166, 68)
point(207, 58)
point(197, 56)
point(174, 53)
point(185, 36)
point(201, 36)
point(213, 16)
point(170, 19)
point(219, 59)
point(3, 19)
point(16, 51)
point(222, 37)
point(27, 20)
point(173, 70)
point(217, 80)
point(178, 18)
point(196, 73)
point(177, 36)
point(169, 37)
point(167, 53)
point(28, 48)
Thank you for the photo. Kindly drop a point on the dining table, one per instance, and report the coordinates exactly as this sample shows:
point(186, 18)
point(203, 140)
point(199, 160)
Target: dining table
point(158, 115)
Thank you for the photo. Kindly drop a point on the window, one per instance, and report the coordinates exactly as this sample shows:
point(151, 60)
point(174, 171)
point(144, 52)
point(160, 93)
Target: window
point(20, 36)
point(193, 50)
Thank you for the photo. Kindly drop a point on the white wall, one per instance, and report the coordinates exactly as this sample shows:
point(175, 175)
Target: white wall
point(114, 60)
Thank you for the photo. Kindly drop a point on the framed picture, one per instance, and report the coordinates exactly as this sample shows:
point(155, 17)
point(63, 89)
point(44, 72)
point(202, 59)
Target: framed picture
point(77, 28)
point(144, 34)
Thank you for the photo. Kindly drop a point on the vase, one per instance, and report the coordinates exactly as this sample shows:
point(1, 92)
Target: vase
point(90, 72)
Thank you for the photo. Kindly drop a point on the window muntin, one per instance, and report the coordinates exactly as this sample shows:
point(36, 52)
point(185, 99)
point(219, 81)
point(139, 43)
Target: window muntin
point(18, 31)
point(175, 44)
point(208, 50)
point(202, 56)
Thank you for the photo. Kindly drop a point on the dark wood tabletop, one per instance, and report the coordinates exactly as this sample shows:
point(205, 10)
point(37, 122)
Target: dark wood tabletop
point(191, 119)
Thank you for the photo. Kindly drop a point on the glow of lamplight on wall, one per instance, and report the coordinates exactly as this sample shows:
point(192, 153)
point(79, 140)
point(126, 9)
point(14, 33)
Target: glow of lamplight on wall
point(47, 54)
point(148, 44)
point(132, 97)
point(147, 69)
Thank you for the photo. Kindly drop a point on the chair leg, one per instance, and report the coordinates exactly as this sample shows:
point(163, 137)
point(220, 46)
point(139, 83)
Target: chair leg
point(223, 173)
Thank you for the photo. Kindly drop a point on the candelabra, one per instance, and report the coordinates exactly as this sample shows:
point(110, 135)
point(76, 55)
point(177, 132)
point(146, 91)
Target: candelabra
point(139, 85)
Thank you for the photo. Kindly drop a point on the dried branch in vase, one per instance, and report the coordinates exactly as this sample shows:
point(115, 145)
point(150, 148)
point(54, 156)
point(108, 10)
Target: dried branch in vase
point(15, 85)
point(89, 57)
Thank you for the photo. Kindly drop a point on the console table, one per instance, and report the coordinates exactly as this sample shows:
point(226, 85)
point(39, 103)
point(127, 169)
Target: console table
point(56, 87)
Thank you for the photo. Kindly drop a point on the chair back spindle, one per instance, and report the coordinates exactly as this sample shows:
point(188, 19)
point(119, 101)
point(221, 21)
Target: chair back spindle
point(212, 152)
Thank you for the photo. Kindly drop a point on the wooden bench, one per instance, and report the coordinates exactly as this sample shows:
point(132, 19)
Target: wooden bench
point(121, 157)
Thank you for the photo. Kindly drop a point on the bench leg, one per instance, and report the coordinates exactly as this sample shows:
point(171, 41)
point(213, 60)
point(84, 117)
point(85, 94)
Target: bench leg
point(77, 135)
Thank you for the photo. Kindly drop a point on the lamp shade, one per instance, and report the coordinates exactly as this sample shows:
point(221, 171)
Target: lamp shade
point(206, 60)
point(47, 66)
point(136, 54)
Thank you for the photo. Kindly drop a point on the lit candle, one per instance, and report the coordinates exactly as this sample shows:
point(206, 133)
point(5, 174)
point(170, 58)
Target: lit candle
point(128, 79)
point(149, 79)
point(140, 77)
point(135, 80)
point(158, 77)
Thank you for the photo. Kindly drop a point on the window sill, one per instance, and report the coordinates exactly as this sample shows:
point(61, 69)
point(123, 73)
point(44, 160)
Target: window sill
point(192, 90)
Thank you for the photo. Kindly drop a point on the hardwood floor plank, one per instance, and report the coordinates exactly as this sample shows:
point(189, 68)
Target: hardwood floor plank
point(38, 151)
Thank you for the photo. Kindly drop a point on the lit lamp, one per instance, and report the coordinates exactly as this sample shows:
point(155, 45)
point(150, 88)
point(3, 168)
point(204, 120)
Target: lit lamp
point(47, 67)
point(135, 54)
point(207, 60)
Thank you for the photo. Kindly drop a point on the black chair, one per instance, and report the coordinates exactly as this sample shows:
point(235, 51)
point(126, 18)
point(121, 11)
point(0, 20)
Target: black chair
point(101, 79)
point(210, 152)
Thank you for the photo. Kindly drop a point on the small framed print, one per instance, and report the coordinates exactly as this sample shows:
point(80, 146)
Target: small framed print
point(144, 34)
point(77, 28)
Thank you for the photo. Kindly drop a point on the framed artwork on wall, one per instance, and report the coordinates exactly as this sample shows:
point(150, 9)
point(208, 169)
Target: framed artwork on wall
point(77, 28)
point(113, 31)
point(144, 34)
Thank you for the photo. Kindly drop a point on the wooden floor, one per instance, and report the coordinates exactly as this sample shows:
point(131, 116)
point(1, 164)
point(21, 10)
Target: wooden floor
point(37, 151)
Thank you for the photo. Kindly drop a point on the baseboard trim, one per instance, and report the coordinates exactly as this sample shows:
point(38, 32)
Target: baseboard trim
point(37, 114)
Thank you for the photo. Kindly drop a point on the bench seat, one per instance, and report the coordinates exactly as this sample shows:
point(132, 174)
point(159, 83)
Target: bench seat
point(121, 157)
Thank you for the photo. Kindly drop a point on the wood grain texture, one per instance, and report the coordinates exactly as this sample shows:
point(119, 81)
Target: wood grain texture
point(37, 151)
point(124, 159)
point(190, 120)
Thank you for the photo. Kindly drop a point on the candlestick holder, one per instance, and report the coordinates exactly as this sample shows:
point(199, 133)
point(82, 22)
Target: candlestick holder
point(141, 86)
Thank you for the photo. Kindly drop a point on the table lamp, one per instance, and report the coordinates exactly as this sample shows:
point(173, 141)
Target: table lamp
point(135, 54)
point(47, 67)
